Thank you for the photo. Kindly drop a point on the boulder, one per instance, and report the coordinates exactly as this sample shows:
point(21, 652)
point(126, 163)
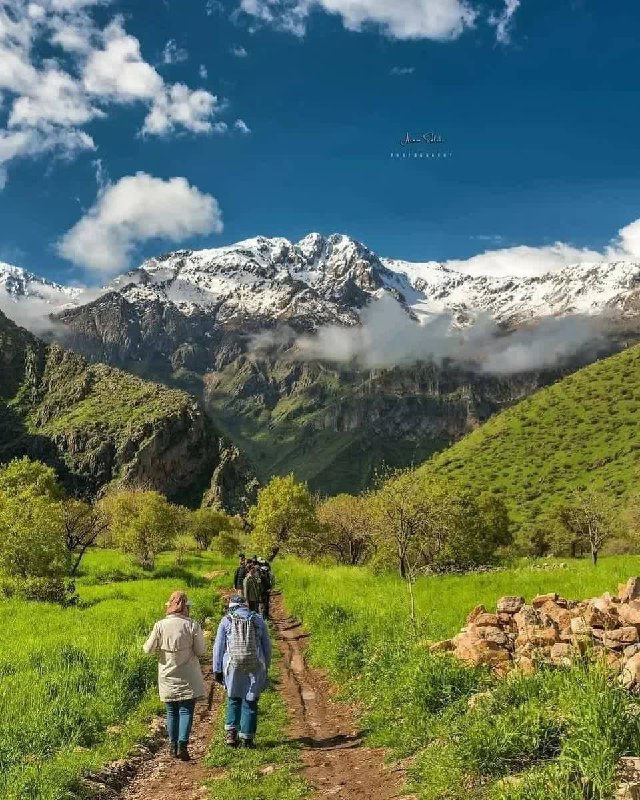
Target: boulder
point(486, 621)
point(629, 590)
point(630, 676)
point(580, 627)
point(480, 609)
point(510, 604)
point(561, 653)
point(480, 652)
point(631, 650)
point(599, 614)
point(444, 646)
point(541, 599)
point(527, 617)
point(495, 635)
point(526, 665)
point(551, 611)
point(629, 613)
point(621, 637)
point(538, 637)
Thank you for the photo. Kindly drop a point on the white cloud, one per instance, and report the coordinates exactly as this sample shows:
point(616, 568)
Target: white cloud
point(238, 51)
point(94, 68)
point(178, 106)
point(440, 20)
point(502, 21)
point(524, 261)
point(401, 71)
point(172, 54)
point(203, 72)
point(241, 126)
point(133, 210)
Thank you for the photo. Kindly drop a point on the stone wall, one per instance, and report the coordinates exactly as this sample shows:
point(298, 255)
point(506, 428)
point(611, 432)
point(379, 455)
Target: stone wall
point(553, 630)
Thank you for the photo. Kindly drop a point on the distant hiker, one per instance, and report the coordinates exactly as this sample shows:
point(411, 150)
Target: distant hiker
point(238, 578)
point(179, 642)
point(251, 587)
point(241, 659)
point(266, 584)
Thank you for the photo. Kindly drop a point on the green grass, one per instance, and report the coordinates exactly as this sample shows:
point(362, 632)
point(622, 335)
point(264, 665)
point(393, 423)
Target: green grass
point(581, 432)
point(543, 737)
point(76, 690)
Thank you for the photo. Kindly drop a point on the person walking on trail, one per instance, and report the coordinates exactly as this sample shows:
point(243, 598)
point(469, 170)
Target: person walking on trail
point(266, 584)
point(252, 590)
point(241, 660)
point(238, 578)
point(179, 642)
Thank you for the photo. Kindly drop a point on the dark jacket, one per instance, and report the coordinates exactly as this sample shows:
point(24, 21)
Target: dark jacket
point(239, 577)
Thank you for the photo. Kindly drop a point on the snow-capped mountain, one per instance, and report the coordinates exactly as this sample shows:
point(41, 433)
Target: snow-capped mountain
point(321, 280)
point(19, 285)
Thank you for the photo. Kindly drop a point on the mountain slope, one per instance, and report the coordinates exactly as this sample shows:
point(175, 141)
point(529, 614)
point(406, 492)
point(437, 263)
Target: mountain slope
point(101, 426)
point(580, 432)
point(190, 319)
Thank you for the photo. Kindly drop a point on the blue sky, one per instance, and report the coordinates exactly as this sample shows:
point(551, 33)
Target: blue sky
point(288, 115)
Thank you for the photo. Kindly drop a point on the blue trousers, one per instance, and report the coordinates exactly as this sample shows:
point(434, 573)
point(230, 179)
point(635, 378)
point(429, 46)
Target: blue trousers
point(180, 720)
point(242, 715)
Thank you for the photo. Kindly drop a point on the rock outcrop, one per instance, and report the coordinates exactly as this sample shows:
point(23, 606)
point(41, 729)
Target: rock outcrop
point(554, 631)
point(101, 427)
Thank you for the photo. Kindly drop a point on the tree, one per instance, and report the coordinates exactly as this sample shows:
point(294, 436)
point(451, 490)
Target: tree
point(32, 537)
point(22, 473)
point(284, 517)
point(588, 520)
point(345, 528)
point(142, 523)
point(228, 544)
point(205, 524)
point(83, 524)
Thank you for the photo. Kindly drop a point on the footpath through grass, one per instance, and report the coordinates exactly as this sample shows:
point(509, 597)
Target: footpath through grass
point(556, 735)
point(76, 691)
point(271, 770)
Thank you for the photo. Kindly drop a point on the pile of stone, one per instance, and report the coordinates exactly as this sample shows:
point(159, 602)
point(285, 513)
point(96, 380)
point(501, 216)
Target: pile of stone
point(552, 630)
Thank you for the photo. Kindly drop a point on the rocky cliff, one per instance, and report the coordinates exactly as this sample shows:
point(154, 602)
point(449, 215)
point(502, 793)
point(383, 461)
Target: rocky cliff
point(100, 426)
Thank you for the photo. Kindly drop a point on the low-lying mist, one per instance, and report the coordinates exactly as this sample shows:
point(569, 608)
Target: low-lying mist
point(389, 337)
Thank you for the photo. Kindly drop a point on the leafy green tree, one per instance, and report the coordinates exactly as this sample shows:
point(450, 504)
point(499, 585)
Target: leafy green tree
point(284, 518)
point(586, 522)
point(345, 528)
point(22, 473)
point(83, 524)
point(32, 535)
point(227, 544)
point(142, 523)
point(205, 524)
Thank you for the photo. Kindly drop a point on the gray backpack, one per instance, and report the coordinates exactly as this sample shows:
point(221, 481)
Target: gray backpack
point(242, 644)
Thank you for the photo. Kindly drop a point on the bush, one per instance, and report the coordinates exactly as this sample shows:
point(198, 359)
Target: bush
point(48, 590)
point(227, 544)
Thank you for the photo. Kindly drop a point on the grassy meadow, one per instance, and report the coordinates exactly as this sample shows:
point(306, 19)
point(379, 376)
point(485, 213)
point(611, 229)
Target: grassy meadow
point(556, 735)
point(76, 691)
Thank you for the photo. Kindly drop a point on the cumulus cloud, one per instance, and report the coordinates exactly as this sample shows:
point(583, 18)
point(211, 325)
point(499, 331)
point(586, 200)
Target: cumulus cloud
point(503, 21)
point(203, 72)
point(238, 51)
point(388, 337)
point(133, 210)
point(439, 20)
point(524, 261)
point(401, 71)
point(88, 69)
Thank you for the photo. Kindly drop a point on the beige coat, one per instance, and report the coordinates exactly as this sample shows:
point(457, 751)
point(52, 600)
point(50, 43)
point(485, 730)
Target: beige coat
point(179, 642)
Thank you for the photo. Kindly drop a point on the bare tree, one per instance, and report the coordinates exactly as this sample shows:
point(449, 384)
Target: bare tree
point(83, 523)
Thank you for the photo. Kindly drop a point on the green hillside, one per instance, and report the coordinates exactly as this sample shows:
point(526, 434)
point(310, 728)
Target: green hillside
point(582, 431)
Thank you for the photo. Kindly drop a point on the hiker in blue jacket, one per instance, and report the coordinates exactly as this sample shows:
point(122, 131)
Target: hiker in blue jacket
point(241, 659)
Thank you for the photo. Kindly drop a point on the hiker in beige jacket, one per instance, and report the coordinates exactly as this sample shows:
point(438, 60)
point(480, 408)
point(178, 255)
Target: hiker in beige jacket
point(179, 642)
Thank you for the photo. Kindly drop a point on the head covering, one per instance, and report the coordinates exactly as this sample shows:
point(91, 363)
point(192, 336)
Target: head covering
point(242, 555)
point(236, 600)
point(177, 603)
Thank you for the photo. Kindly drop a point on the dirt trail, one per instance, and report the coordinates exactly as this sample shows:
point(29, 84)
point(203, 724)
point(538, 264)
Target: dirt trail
point(336, 762)
point(165, 778)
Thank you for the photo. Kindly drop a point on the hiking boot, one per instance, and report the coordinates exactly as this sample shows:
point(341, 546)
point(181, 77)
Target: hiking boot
point(231, 738)
point(247, 743)
point(183, 752)
point(173, 749)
